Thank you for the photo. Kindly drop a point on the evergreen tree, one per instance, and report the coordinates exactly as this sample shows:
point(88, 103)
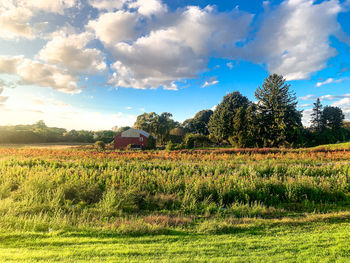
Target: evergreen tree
point(332, 117)
point(316, 121)
point(244, 127)
point(222, 122)
point(279, 120)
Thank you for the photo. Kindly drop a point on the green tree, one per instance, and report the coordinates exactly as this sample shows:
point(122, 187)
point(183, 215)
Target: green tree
point(157, 125)
point(199, 124)
point(244, 127)
point(316, 120)
point(151, 143)
point(221, 123)
point(279, 120)
point(100, 145)
point(332, 117)
point(122, 129)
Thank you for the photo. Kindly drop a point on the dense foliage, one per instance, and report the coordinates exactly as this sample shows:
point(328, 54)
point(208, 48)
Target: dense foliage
point(278, 117)
point(41, 133)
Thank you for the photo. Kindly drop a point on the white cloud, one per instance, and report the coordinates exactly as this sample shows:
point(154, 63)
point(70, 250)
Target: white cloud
point(149, 7)
point(308, 97)
point(8, 65)
point(342, 102)
point(210, 83)
point(178, 51)
point(329, 81)
point(229, 65)
point(109, 5)
point(32, 72)
point(14, 22)
point(16, 15)
point(36, 73)
point(71, 53)
point(304, 105)
point(114, 27)
point(334, 97)
point(294, 38)
point(54, 6)
point(344, 105)
point(306, 119)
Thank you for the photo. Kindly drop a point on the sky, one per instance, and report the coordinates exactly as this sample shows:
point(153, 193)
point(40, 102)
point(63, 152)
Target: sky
point(97, 64)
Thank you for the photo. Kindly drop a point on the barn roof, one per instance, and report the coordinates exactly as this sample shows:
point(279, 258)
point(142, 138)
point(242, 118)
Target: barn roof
point(131, 133)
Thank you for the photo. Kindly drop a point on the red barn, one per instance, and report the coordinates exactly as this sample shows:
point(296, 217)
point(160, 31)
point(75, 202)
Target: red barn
point(133, 137)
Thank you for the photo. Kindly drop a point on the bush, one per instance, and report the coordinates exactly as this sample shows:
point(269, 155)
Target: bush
point(196, 140)
point(170, 146)
point(100, 145)
point(151, 143)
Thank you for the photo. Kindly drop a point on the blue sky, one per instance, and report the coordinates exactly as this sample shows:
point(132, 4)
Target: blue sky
point(96, 64)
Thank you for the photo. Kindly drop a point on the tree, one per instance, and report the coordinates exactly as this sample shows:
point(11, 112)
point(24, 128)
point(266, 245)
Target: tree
point(332, 117)
point(157, 125)
point(221, 123)
point(316, 121)
point(279, 120)
point(100, 145)
point(244, 127)
point(199, 124)
point(151, 143)
point(122, 129)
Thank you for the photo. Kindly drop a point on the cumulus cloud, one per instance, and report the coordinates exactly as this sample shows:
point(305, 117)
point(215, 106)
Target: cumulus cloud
point(150, 46)
point(148, 7)
point(54, 6)
point(114, 27)
point(329, 81)
point(178, 51)
point(294, 38)
point(71, 53)
point(16, 15)
point(32, 72)
point(8, 65)
point(14, 23)
point(109, 5)
point(342, 102)
point(36, 73)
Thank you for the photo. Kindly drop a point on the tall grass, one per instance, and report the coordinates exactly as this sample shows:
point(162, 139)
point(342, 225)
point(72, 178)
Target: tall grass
point(81, 187)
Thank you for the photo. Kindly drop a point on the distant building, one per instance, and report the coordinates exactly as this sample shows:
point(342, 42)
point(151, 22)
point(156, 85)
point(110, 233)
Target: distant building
point(133, 137)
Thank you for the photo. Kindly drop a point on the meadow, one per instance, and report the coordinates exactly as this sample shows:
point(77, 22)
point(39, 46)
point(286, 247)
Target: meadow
point(81, 205)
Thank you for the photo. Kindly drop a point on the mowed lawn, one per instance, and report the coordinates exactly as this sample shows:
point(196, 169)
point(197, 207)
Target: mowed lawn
point(311, 242)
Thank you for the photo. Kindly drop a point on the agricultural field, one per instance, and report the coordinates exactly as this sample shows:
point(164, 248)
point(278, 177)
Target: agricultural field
point(228, 205)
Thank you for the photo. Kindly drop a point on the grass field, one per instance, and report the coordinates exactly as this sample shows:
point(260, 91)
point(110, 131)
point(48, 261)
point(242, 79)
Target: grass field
point(251, 205)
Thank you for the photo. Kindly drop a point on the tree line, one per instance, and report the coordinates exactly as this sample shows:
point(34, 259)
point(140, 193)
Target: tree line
point(273, 120)
point(41, 133)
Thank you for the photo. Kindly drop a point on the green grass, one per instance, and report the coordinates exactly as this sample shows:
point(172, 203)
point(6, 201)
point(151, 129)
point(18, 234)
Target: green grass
point(288, 242)
point(81, 205)
point(337, 146)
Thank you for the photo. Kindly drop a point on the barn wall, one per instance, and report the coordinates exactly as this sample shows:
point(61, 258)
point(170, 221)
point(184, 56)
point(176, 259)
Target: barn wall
point(123, 142)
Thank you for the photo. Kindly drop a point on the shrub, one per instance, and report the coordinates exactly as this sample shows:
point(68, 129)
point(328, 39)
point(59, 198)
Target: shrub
point(151, 143)
point(100, 145)
point(170, 146)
